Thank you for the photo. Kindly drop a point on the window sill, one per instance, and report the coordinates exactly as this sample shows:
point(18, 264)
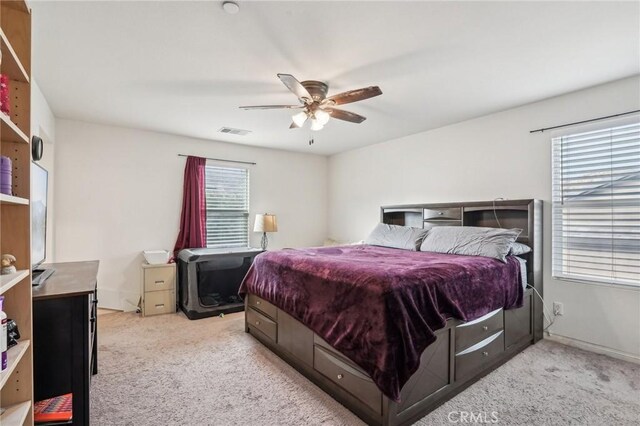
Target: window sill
point(630, 287)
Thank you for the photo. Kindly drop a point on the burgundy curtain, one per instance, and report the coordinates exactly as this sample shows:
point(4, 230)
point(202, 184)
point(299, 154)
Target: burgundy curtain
point(193, 231)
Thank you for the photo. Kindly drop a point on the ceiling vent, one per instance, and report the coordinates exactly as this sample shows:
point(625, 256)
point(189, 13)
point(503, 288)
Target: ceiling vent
point(232, 131)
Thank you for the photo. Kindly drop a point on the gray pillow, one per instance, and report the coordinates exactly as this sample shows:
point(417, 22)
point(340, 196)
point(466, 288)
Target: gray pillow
point(470, 241)
point(518, 248)
point(394, 236)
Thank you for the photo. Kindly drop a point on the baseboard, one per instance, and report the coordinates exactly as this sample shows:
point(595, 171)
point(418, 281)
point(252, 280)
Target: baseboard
point(591, 347)
point(117, 300)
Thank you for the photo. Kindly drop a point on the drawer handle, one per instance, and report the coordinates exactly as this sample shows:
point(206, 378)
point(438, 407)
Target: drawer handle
point(159, 306)
point(340, 376)
point(160, 282)
point(485, 328)
point(485, 353)
point(440, 213)
point(257, 322)
point(257, 302)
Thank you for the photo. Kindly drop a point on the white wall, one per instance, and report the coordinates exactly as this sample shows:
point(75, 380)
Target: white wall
point(482, 159)
point(43, 124)
point(119, 191)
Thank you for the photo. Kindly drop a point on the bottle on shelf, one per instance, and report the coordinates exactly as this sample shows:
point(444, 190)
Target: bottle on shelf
point(3, 335)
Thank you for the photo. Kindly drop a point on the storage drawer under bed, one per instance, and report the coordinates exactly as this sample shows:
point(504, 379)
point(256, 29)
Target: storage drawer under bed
point(472, 332)
point(348, 378)
point(262, 323)
point(263, 306)
point(474, 359)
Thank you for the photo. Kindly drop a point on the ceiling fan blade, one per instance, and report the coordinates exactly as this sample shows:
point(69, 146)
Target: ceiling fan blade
point(355, 95)
point(272, 107)
point(296, 87)
point(294, 125)
point(341, 114)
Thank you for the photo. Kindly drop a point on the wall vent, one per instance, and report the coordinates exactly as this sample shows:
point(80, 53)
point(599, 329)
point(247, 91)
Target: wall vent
point(232, 131)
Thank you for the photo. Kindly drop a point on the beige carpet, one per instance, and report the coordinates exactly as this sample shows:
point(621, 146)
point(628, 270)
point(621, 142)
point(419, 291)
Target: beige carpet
point(167, 370)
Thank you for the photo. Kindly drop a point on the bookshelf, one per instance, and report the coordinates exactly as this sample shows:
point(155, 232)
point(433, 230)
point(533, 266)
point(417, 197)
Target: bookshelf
point(16, 382)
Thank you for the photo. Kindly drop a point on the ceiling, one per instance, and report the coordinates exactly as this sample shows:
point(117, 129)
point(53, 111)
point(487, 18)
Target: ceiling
point(185, 67)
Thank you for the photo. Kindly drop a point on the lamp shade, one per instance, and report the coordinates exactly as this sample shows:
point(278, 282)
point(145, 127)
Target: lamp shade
point(265, 223)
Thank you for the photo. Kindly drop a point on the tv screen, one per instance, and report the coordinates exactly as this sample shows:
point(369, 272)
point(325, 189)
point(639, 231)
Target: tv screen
point(39, 182)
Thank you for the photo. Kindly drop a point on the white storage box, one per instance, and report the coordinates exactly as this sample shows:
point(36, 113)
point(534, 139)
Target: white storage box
point(156, 257)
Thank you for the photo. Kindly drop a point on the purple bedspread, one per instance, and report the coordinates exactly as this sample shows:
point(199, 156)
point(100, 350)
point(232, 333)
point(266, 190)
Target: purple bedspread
point(379, 306)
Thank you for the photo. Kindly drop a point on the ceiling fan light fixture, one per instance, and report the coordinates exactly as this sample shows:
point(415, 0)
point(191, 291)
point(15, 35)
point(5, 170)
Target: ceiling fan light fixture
point(315, 105)
point(322, 116)
point(316, 125)
point(300, 118)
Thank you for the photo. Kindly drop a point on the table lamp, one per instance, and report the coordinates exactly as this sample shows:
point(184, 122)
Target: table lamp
point(265, 223)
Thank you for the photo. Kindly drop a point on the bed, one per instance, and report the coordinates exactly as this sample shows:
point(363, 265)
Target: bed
point(392, 334)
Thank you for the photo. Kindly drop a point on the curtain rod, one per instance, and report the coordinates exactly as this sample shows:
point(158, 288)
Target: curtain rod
point(220, 159)
point(584, 121)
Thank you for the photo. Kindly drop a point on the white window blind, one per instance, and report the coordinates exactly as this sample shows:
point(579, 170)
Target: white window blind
point(227, 193)
point(596, 205)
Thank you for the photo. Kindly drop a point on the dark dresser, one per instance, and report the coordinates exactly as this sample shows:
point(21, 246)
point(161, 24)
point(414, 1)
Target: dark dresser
point(65, 335)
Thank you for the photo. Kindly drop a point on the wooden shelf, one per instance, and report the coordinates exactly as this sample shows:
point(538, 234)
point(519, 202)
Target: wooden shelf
point(11, 64)
point(8, 281)
point(16, 381)
point(15, 414)
point(10, 199)
point(10, 131)
point(14, 356)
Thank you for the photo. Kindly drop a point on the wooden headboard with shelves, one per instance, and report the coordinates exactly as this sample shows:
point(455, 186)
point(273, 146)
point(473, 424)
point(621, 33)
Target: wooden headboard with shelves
point(522, 214)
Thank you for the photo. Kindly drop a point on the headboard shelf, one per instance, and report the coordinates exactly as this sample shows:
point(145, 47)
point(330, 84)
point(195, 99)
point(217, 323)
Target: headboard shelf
point(497, 207)
point(404, 217)
point(499, 218)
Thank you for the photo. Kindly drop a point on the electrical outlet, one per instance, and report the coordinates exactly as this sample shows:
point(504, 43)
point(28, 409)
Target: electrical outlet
point(558, 308)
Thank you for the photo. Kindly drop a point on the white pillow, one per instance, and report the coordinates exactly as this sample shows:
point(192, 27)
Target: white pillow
point(518, 249)
point(394, 236)
point(471, 241)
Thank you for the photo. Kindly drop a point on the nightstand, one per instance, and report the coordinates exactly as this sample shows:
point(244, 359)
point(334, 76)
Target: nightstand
point(158, 289)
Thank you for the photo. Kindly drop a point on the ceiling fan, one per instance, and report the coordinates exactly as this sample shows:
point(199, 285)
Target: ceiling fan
point(315, 104)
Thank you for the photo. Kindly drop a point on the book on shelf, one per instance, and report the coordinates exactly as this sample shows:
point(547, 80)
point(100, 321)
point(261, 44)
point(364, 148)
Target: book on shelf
point(56, 410)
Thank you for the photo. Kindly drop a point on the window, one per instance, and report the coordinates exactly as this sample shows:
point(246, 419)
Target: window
point(596, 205)
point(227, 193)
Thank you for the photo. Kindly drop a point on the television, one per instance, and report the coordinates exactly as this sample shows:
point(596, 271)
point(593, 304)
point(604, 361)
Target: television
point(39, 189)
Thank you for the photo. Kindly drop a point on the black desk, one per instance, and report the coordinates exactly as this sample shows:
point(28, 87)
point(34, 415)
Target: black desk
point(65, 335)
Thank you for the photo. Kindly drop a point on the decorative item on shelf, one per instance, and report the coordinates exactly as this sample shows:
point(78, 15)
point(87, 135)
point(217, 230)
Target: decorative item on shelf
point(5, 175)
point(265, 223)
point(4, 94)
point(3, 336)
point(13, 334)
point(8, 266)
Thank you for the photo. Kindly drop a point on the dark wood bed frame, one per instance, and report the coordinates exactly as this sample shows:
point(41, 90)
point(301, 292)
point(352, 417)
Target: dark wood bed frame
point(462, 352)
